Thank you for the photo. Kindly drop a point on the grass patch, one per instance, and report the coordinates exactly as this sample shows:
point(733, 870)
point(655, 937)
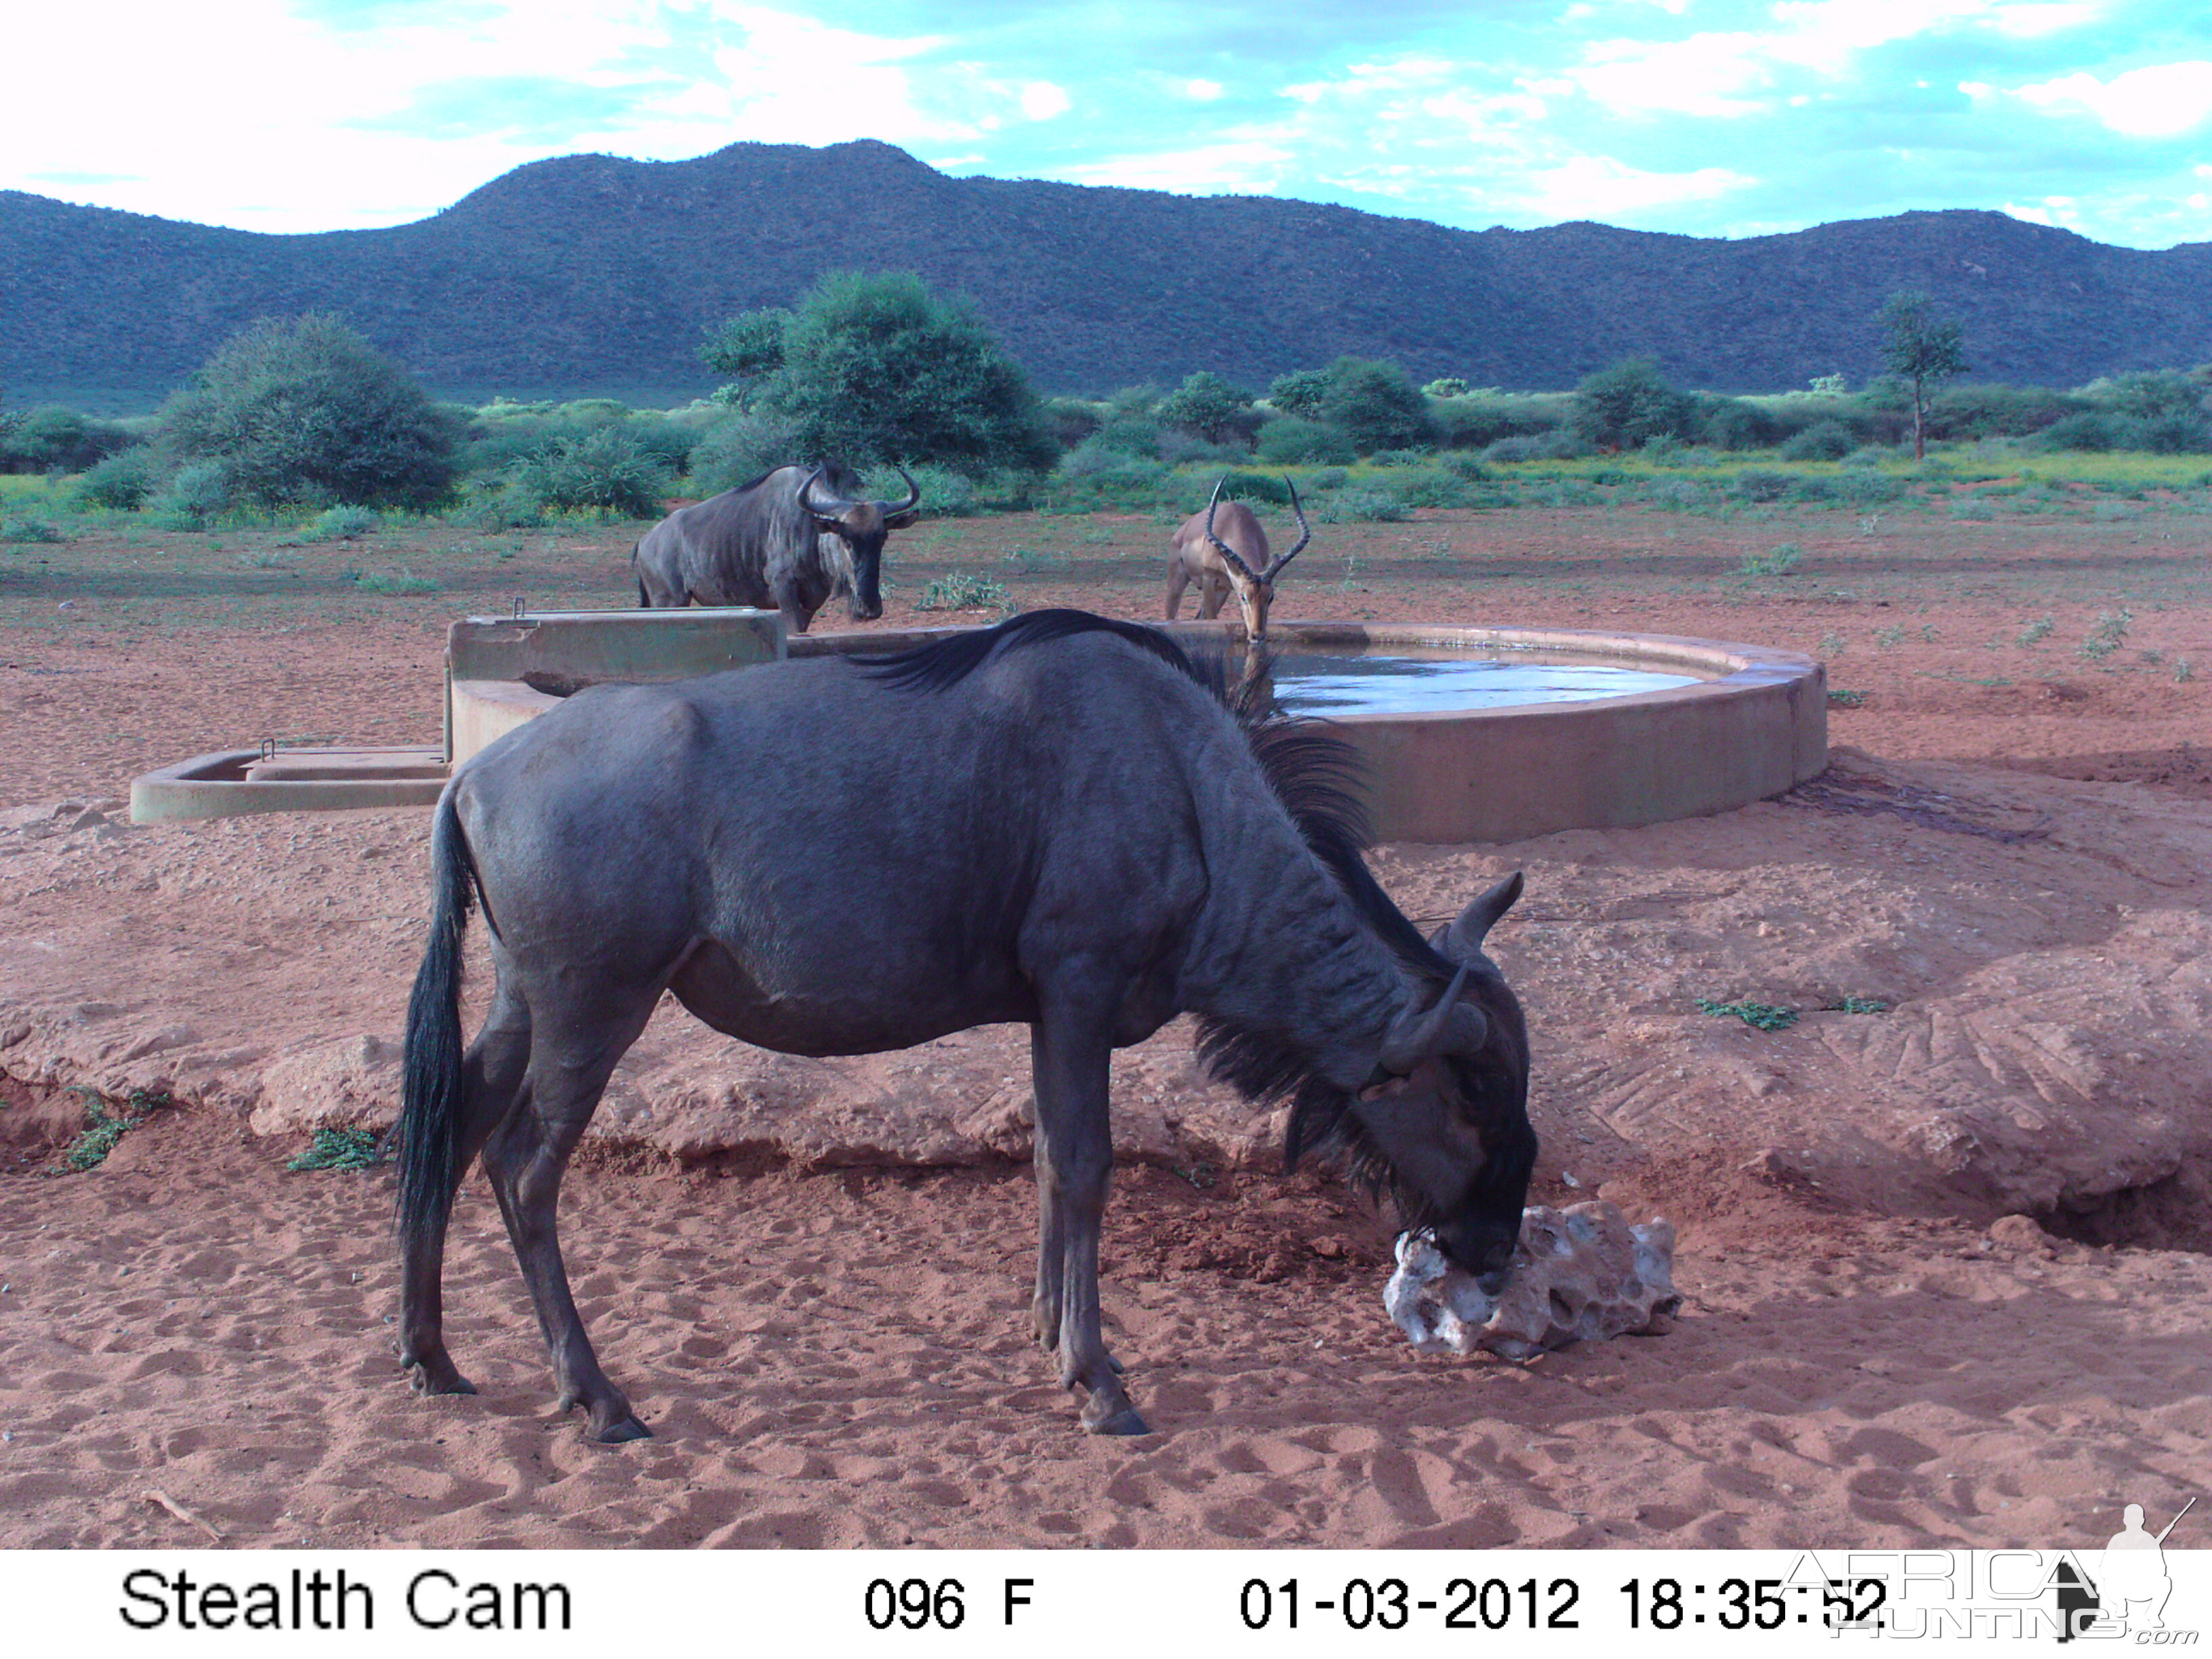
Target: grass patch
point(338, 1149)
point(1844, 699)
point(1759, 1015)
point(958, 591)
point(1780, 562)
point(1856, 1005)
point(2107, 636)
point(105, 1126)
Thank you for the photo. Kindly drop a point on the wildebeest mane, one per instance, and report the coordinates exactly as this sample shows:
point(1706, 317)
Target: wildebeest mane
point(1314, 773)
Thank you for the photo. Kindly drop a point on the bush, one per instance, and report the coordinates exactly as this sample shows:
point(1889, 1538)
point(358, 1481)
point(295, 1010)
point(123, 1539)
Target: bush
point(1376, 405)
point(1449, 385)
point(53, 438)
point(1294, 441)
point(1628, 404)
point(1300, 392)
point(1365, 504)
point(342, 523)
point(1759, 484)
point(1210, 408)
point(958, 591)
point(306, 411)
point(1732, 424)
point(1965, 413)
point(122, 481)
point(1559, 444)
point(2176, 433)
point(1473, 423)
point(610, 473)
point(2091, 431)
point(739, 449)
point(1256, 486)
point(193, 495)
point(1830, 440)
point(1070, 421)
point(27, 527)
point(877, 367)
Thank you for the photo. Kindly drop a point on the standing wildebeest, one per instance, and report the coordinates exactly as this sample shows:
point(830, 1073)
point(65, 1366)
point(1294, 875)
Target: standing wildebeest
point(782, 542)
point(1055, 822)
point(1220, 563)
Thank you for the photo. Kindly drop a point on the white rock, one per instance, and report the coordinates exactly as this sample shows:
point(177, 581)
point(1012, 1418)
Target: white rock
point(1579, 1275)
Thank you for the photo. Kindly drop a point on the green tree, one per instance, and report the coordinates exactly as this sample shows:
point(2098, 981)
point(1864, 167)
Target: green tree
point(1300, 392)
point(748, 347)
point(1376, 405)
point(1209, 406)
point(1921, 350)
point(303, 412)
point(877, 367)
point(1629, 404)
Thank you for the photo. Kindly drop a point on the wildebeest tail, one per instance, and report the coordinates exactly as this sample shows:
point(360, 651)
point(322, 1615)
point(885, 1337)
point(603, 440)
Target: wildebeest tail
point(430, 1090)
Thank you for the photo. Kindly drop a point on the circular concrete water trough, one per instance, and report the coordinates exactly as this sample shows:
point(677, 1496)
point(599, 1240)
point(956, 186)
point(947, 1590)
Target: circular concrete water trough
point(1742, 723)
point(1746, 723)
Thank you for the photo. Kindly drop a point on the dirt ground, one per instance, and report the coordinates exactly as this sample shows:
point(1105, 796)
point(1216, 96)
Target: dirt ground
point(2011, 852)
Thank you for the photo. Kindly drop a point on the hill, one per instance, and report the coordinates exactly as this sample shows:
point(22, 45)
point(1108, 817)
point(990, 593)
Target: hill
point(591, 275)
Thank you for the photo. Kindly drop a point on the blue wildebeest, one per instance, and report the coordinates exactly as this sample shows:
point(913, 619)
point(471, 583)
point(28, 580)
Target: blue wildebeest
point(1059, 822)
point(1234, 558)
point(782, 542)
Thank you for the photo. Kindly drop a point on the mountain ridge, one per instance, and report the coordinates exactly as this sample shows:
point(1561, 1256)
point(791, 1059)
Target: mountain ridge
point(588, 274)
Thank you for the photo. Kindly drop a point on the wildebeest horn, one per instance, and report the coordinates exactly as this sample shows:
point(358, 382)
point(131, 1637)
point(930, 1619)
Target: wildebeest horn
point(912, 495)
point(1462, 940)
point(1223, 548)
point(838, 508)
point(1305, 533)
point(1418, 1034)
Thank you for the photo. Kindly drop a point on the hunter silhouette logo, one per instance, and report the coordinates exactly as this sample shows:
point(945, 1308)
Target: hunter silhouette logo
point(2132, 1584)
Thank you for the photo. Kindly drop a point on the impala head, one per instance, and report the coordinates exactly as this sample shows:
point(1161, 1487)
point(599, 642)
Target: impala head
point(861, 526)
point(1255, 590)
point(1444, 1117)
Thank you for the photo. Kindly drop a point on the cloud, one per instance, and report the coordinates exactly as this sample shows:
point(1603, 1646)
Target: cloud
point(2162, 100)
point(1601, 187)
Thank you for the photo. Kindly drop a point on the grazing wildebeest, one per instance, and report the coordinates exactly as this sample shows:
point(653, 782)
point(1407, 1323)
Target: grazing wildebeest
point(782, 542)
point(1220, 563)
point(1056, 821)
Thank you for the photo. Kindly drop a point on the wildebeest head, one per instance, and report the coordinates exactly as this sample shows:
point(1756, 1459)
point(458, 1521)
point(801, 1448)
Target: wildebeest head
point(1446, 1116)
point(1255, 590)
point(861, 526)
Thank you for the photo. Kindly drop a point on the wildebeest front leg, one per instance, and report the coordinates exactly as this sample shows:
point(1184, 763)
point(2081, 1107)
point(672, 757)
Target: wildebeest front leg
point(1070, 1065)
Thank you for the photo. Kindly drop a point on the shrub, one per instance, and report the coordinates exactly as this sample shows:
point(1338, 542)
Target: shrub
point(2175, 432)
point(1376, 405)
point(1070, 421)
point(27, 527)
point(1829, 440)
point(1300, 392)
point(1559, 444)
point(2093, 431)
point(1471, 423)
point(879, 367)
point(609, 473)
point(945, 494)
point(739, 449)
point(1256, 486)
point(1449, 385)
point(1293, 440)
point(123, 480)
point(1759, 484)
point(341, 524)
point(1732, 424)
point(193, 495)
point(1209, 407)
point(1364, 503)
point(51, 438)
point(304, 411)
point(1628, 404)
point(402, 581)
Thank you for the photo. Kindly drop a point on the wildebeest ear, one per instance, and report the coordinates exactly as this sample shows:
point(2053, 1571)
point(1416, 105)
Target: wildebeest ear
point(900, 520)
point(1462, 940)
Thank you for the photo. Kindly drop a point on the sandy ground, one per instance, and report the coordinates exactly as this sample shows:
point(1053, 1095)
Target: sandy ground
point(2012, 854)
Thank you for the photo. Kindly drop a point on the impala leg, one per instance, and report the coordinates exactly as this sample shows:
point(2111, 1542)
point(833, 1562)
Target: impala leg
point(1070, 1056)
point(491, 1084)
point(525, 1160)
point(1178, 579)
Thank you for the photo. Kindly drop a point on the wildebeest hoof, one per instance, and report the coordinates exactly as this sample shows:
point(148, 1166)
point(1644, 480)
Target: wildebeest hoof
point(1126, 1421)
point(622, 1433)
point(445, 1380)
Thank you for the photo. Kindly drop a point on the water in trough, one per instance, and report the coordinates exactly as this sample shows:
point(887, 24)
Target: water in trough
point(1398, 683)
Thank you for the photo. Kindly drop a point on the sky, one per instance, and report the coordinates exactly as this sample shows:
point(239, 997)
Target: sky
point(1705, 118)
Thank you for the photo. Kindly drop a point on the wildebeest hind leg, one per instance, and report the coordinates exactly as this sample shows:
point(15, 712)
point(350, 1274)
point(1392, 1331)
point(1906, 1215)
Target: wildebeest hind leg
point(1075, 1160)
point(491, 1081)
point(525, 1158)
